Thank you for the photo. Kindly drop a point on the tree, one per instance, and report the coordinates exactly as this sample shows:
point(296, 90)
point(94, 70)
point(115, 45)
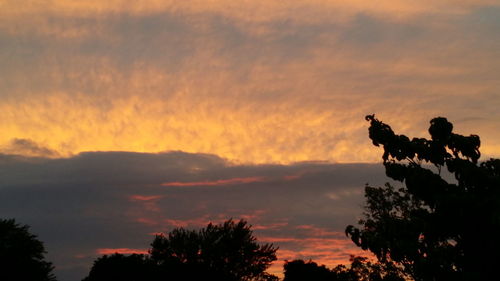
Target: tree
point(123, 268)
point(225, 252)
point(228, 251)
point(361, 269)
point(435, 229)
point(299, 270)
point(22, 254)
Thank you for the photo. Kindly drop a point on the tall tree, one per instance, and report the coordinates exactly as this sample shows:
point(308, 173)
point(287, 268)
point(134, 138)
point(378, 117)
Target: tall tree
point(228, 251)
point(436, 229)
point(22, 254)
point(123, 268)
point(224, 252)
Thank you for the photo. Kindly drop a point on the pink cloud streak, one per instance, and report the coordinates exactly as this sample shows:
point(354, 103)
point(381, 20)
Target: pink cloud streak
point(110, 251)
point(144, 197)
point(216, 182)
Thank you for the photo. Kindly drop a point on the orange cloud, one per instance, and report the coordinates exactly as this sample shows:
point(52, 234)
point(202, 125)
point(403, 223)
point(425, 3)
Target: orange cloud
point(196, 222)
point(144, 197)
point(321, 245)
point(203, 220)
point(270, 226)
point(329, 251)
point(147, 221)
point(148, 202)
point(110, 251)
point(231, 181)
point(261, 10)
point(245, 90)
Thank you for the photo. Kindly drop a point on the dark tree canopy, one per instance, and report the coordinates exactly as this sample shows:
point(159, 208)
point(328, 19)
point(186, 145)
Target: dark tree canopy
point(22, 254)
point(299, 270)
point(228, 251)
point(361, 269)
point(437, 230)
point(225, 252)
point(123, 268)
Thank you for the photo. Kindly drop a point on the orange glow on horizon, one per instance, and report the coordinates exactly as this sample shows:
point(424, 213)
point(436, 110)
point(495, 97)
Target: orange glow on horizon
point(329, 250)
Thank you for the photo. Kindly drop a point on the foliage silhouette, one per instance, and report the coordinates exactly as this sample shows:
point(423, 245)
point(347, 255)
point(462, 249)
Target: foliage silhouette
point(22, 254)
point(361, 269)
point(124, 268)
point(225, 252)
point(437, 230)
point(298, 270)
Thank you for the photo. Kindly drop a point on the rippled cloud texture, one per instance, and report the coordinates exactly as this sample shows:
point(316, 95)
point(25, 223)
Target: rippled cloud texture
point(249, 102)
point(250, 81)
point(100, 203)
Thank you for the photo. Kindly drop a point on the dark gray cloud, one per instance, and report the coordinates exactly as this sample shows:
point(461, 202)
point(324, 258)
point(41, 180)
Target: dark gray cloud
point(116, 200)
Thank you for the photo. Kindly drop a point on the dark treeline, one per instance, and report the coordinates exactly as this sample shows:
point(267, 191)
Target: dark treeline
point(428, 229)
point(360, 269)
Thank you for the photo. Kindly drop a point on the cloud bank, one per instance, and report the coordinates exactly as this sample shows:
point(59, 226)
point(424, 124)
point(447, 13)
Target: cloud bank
point(98, 203)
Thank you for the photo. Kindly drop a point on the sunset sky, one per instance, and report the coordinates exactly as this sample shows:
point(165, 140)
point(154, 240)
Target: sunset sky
point(136, 117)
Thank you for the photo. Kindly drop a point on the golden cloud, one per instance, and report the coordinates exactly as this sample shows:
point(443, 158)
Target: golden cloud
point(148, 111)
point(254, 10)
point(39, 15)
point(254, 93)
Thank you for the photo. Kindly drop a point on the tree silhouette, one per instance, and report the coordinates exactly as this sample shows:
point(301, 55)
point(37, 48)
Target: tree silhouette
point(361, 269)
point(22, 254)
point(299, 270)
point(225, 252)
point(435, 229)
point(123, 268)
point(228, 251)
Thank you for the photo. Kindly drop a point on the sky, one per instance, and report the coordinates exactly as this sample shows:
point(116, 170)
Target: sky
point(125, 118)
